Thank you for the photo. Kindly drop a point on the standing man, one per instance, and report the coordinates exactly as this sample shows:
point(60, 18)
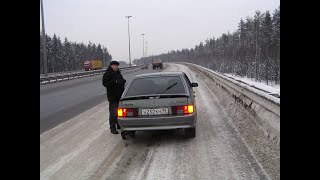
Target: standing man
point(114, 82)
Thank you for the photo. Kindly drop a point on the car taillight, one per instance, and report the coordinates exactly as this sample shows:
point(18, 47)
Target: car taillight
point(178, 110)
point(120, 112)
point(190, 109)
point(127, 112)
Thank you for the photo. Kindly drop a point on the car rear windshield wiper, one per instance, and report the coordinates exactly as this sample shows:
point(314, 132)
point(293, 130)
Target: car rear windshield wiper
point(169, 87)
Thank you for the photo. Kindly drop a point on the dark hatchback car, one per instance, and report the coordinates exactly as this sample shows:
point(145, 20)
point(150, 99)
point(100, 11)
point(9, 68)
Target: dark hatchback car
point(158, 101)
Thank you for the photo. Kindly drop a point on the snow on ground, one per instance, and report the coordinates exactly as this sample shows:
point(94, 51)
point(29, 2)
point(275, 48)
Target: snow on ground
point(272, 88)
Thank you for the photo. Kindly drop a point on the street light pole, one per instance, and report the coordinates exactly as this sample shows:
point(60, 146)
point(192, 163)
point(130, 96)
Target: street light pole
point(146, 48)
point(143, 44)
point(45, 63)
point(129, 40)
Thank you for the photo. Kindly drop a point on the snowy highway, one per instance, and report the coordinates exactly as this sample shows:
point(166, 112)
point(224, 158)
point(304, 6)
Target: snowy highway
point(75, 142)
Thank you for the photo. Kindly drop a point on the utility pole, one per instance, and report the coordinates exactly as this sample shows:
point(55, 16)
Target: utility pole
point(45, 63)
point(146, 48)
point(143, 44)
point(129, 40)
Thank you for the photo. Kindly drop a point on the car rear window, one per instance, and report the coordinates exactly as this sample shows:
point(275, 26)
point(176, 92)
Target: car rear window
point(156, 85)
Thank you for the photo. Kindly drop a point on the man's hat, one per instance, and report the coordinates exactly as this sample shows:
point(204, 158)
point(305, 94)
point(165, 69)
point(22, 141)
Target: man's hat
point(114, 62)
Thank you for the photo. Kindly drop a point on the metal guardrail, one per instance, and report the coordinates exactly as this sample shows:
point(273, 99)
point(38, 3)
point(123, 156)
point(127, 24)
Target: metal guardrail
point(272, 94)
point(58, 78)
point(61, 73)
point(268, 101)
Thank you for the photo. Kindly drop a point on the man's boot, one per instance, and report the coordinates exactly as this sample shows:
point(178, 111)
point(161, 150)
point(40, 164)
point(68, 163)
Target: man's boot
point(118, 126)
point(114, 131)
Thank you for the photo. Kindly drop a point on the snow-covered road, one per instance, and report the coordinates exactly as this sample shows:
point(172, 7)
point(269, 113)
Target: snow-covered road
point(84, 148)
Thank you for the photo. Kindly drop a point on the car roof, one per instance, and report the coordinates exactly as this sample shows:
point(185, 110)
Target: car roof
point(160, 74)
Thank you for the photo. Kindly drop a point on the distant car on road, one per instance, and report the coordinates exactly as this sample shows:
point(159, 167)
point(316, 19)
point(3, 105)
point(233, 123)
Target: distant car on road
point(144, 66)
point(158, 101)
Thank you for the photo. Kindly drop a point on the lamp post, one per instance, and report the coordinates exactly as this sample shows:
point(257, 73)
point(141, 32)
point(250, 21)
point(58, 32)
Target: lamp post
point(129, 40)
point(45, 63)
point(143, 44)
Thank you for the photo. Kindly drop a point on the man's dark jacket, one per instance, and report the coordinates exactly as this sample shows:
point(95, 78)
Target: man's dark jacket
point(114, 83)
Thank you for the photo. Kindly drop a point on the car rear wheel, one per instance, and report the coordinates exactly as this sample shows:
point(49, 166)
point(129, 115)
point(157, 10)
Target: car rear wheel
point(190, 132)
point(126, 134)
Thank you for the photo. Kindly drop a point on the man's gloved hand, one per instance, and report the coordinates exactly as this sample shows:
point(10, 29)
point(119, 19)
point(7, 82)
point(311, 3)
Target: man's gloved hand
point(121, 81)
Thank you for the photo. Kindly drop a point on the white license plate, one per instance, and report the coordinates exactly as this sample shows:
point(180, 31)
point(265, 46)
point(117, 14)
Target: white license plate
point(155, 111)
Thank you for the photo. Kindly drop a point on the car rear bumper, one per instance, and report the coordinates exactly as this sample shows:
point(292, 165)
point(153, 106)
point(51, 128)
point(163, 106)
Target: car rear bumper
point(157, 123)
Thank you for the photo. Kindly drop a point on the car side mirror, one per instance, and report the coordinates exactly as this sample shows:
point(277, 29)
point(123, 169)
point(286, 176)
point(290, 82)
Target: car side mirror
point(194, 84)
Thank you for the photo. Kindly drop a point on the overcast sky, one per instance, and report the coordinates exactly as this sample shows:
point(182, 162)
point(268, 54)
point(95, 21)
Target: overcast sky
point(169, 24)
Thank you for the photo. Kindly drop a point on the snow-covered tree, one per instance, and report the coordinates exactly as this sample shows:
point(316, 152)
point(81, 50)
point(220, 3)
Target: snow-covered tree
point(69, 56)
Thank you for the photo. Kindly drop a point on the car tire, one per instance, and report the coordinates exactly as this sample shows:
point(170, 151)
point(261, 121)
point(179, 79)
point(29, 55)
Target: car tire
point(124, 135)
point(190, 132)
